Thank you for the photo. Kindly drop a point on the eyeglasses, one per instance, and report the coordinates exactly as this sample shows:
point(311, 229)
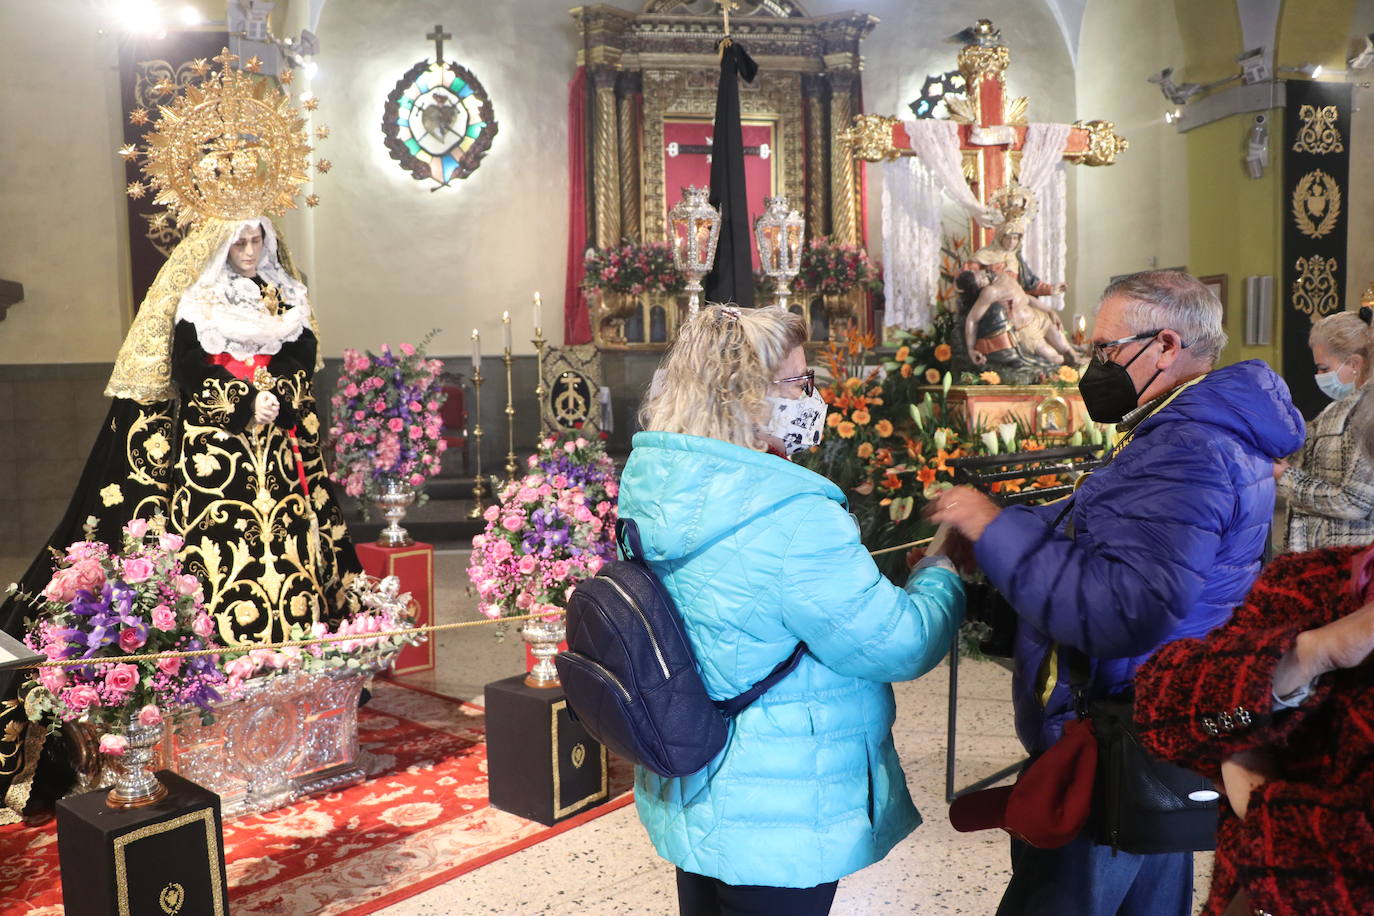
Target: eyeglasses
point(807, 380)
point(1101, 354)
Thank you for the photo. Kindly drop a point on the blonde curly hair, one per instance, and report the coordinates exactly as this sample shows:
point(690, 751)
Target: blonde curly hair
point(716, 376)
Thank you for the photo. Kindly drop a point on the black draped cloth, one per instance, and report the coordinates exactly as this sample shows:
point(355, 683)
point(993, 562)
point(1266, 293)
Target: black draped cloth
point(732, 276)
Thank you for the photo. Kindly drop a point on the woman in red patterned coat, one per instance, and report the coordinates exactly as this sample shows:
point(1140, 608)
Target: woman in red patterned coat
point(1277, 706)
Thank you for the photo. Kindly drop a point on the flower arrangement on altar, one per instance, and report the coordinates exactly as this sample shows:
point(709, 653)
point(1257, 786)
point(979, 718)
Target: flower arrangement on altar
point(552, 528)
point(386, 610)
point(633, 268)
point(103, 603)
point(830, 269)
point(386, 421)
point(888, 443)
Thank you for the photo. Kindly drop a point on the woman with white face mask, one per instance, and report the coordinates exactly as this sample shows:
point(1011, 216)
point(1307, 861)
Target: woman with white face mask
point(759, 554)
point(1329, 485)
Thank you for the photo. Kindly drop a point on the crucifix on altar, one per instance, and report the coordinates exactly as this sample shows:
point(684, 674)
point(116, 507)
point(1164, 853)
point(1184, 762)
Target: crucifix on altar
point(1005, 172)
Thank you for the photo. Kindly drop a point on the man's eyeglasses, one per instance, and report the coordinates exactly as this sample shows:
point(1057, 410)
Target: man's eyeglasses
point(1102, 353)
point(807, 380)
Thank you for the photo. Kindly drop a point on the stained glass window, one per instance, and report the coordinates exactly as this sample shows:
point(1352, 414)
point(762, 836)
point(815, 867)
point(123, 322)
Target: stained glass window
point(439, 122)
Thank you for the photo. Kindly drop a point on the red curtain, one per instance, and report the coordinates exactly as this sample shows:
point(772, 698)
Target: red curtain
point(577, 324)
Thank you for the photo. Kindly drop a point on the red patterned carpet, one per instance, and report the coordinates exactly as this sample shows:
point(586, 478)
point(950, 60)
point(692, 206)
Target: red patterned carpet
point(422, 821)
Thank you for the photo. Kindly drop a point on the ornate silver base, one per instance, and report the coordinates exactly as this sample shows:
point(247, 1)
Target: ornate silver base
point(395, 498)
point(543, 637)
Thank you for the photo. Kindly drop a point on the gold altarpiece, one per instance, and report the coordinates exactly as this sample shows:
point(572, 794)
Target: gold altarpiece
point(652, 70)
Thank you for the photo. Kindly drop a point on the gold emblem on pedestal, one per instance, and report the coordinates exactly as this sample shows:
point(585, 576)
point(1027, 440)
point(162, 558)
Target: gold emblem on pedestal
point(1319, 134)
point(171, 898)
point(1104, 145)
point(579, 755)
point(1314, 291)
point(1316, 204)
point(870, 137)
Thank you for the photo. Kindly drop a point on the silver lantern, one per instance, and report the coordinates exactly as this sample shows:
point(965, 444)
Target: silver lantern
point(695, 225)
point(778, 231)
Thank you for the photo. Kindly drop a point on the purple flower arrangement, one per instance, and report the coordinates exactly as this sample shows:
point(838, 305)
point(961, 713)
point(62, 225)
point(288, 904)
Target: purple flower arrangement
point(102, 604)
point(552, 528)
point(386, 420)
point(633, 268)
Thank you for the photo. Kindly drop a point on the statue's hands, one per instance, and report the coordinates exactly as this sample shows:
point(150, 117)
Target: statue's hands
point(1061, 288)
point(978, 359)
point(265, 408)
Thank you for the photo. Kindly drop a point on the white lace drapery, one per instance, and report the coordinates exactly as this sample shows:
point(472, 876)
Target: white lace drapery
point(1045, 247)
point(911, 243)
point(936, 144)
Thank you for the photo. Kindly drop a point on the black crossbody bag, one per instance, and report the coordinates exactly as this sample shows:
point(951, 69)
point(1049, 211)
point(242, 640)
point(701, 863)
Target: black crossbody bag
point(1140, 804)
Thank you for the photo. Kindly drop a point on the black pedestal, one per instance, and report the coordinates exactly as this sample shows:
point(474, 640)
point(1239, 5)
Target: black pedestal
point(167, 857)
point(541, 764)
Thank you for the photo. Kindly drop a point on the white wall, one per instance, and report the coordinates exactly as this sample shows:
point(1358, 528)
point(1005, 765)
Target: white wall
point(1137, 209)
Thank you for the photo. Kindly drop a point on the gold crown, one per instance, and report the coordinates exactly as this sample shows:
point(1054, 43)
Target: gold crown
point(232, 147)
point(1016, 203)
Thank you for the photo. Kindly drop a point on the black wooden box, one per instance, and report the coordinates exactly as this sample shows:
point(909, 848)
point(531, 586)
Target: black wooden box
point(541, 764)
point(165, 858)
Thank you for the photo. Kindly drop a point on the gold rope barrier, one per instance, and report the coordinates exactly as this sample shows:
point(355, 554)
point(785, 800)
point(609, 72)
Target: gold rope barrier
point(355, 637)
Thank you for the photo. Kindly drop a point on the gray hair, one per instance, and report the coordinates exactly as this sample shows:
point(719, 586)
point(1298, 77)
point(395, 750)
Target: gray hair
point(1175, 300)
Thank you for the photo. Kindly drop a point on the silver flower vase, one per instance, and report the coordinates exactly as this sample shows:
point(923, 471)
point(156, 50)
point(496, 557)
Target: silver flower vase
point(543, 637)
point(395, 498)
point(134, 784)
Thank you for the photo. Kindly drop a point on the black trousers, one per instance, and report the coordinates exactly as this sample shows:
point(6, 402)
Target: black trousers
point(701, 896)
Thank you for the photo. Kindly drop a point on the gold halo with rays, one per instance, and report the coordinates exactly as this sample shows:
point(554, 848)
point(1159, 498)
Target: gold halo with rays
point(232, 147)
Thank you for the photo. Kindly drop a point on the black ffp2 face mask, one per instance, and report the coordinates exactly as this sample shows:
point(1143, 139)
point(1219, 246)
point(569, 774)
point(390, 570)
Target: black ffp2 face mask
point(1107, 390)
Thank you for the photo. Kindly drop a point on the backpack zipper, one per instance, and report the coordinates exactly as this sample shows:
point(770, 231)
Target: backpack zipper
point(606, 674)
point(653, 640)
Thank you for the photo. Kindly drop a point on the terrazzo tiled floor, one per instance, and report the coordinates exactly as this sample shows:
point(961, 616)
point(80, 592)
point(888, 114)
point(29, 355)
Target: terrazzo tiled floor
point(608, 866)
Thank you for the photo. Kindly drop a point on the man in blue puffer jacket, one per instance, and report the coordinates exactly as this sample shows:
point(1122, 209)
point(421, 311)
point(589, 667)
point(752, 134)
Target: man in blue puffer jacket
point(1160, 544)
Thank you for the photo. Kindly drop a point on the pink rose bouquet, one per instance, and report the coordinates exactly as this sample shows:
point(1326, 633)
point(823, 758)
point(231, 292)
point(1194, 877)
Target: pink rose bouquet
point(100, 604)
point(552, 529)
point(386, 420)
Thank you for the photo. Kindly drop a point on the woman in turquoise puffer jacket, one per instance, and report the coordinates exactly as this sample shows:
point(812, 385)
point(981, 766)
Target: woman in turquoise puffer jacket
point(760, 554)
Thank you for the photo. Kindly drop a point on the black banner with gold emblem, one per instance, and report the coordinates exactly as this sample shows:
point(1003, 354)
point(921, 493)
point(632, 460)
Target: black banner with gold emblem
point(1316, 167)
point(145, 63)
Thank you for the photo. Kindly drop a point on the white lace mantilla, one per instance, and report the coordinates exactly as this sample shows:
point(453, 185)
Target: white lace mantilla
point(227, 310)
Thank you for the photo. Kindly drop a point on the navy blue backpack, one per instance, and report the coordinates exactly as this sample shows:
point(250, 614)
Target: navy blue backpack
point(629, 673)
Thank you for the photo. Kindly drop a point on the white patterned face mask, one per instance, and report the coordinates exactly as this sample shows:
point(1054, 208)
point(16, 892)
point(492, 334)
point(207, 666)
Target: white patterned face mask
point(798, 422)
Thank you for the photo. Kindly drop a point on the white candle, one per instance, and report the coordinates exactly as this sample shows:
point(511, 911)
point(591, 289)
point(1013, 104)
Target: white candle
point(538, 313)
point(505, 329)
point(476, 352)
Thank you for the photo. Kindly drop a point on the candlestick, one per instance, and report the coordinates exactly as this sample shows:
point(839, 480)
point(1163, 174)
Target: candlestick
point(511, 465)
point(539, 390)
point(478, 488)
point(476, 351)
point(505, 330)
point(538, 315)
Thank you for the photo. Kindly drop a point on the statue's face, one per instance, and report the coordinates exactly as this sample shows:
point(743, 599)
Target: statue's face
point(246, 251)
point(1011, 240)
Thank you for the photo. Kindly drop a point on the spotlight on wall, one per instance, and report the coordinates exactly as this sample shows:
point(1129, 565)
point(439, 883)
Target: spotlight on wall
point(1257, 147)
point(1172, 117)
point(1365, 57)
point(1254, 66)
point(1311, 71)
point(1178, 93)
point(189, 16)
point(311, 68)
point(137, 16)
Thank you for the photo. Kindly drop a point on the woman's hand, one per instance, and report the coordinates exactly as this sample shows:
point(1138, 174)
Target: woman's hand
point(965, 509)
point(1279, 467)
point(1242, 774)
point(1343, 643)
point(265, 408)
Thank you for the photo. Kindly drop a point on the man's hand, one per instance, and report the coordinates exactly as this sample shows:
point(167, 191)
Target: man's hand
point(1242, 774)
point(978, 359)
point(1279, 467)
point(265, 408)
point(967, 510)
